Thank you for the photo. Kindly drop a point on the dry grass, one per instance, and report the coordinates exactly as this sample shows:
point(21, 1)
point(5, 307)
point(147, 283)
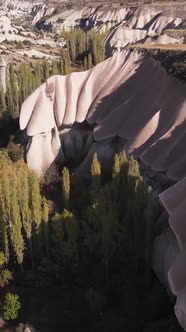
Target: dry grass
point(167, 47)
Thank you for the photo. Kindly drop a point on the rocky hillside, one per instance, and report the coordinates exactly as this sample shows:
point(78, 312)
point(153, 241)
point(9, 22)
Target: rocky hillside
point(125, 24)
point(127, 102)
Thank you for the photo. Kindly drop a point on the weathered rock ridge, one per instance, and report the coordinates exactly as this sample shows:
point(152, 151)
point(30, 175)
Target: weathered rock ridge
point(127, 102)
point(136, 101)
point(125, 24)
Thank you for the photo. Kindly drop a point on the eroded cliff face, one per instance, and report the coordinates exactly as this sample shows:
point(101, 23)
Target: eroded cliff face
point(135, 101)
point(125, 24)
point(24, 5)
point(127, 102)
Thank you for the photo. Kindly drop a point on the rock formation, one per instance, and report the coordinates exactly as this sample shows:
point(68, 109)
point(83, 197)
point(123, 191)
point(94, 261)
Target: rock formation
point(126, 24)
point(170, 267)
point(147, 25)
point(136, 106)
point(127, 102)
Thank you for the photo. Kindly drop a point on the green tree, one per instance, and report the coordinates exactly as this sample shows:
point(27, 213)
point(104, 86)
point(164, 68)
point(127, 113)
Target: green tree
point(2, 101)
point(24, 204)
point(46, 70)
point(116, 166)
point(35, 200)
point(65, 186)
point(65, 231)
point(96, 176)
point(15, 223)
point(35, 203)
point(5, 207)
point(5, 274)
point(11, 306)
point(45, 212)
point(54, 68)
point(9, 96)
point(14, 91)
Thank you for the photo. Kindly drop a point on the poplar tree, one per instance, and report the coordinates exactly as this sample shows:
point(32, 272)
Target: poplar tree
point(3, 227)
point(37, 75)
point(36, 214)
point(116, 166)
point(67, 67)
point(96, 176)
point(65, 232)
point(65, 186)
point(70, 237)
point(46, 70)
point(5, 207)
point(72, 42)
point(54, 68)
point(90, 64)
point(24, 201)
point(23, 82)
point(16, 227)
point(9, 96)
point(61, 67)
point(15, 92)
point(85, 63)
point(35, 200)
point(2, 101)
point(123, 159)
point(45, 212)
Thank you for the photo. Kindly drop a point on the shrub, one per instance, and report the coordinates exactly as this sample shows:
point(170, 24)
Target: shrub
point(11, 306)
point(15, 151)
point(5, 277)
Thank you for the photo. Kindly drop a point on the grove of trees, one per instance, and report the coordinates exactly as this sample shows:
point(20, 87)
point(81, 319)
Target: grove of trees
point(95, 238)
point(83, 51)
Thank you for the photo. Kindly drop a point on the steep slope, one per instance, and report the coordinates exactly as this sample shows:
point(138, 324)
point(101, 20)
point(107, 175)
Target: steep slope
point(147, 25)
point(170, 267)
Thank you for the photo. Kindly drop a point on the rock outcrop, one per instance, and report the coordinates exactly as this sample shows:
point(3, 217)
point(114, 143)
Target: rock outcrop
point(131, 102)
point(125, 24)
point(127, 102)
point(170, 266)
point(135, 105)
point(146, 25)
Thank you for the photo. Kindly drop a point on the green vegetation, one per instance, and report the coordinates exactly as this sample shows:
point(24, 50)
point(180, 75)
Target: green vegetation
point(92, 236)
point(66, 186)
point(83, 51)
point(22, 212)
point(11, 306)
point(86, 47)
point(94, 240)
point(5, 274)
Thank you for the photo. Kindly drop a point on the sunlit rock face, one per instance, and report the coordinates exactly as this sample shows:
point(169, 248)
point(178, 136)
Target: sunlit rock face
point(101, 18)
point(129, 97)
point(127, 102)
point(146, 25)
point(25, 5)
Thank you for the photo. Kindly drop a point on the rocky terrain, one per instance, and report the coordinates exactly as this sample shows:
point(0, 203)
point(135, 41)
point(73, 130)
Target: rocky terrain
point(134, 100)
point(138, 105)
point(124, 24)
